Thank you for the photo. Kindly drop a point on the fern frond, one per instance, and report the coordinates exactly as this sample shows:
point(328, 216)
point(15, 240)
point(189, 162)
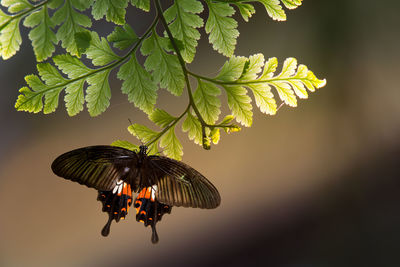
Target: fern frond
point(183, 22)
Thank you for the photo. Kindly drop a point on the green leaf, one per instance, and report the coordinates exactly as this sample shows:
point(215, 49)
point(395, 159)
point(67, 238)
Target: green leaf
point(50, 74)
point(98, 93)
point(254, 66)
point(16, 6)
point(228, 119)
point(193, 126)
point(122, 37)
point(71, 66)
point(31, 100)
point(145, 135)
point(82, 40)
point(183, 23)
point(206, 100)
point(289, 83)
point(233, 69)
point(274, 9)
point(232, 129)
point(240, 104)
point(284, 89)
point(171, 145)
point(42, 37)
point(179, 44)
point(264, 98)
point(269, 68)
point(99, 51)
point(10, 37)
point(142, 4)
point(54, 4)
point(54, 79)
point(74, 97)
point(291, 4)
point(246, 10)
point(142, 132)
point(165, 67)
point(81, 4)
point(138, 85)
point(114, 10)
point(221, 27)
point(72, 22)
point(215, 135)
point(125, 144)
point(262, 91)
point(161, 118)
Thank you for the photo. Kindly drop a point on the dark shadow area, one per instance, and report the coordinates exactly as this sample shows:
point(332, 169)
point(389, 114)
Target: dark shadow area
point(355, 222)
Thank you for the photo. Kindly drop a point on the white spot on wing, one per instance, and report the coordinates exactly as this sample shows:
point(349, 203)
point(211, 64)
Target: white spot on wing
point(118, 187)
point(153, 191)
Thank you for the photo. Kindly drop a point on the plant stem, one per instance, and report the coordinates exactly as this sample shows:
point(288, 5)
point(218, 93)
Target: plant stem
point(168, 127)
point(271, 80)
point(183, 65)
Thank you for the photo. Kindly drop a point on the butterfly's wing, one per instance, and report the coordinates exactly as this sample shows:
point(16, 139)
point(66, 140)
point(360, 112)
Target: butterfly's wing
point(149, 211)
point(178, 184)
point(99, 167)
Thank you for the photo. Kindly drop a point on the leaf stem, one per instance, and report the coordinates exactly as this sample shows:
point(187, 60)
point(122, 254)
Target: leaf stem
point(183, 66)
point(23, 13)
point(175, 121)
point(245, 82)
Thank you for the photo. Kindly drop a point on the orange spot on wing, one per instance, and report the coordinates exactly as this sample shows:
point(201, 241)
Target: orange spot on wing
point(125, 189)
point(142, 193)
point(148, 193)
point(129, 190)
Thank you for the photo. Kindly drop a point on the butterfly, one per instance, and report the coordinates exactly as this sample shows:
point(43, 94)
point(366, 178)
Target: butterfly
point(116, 173)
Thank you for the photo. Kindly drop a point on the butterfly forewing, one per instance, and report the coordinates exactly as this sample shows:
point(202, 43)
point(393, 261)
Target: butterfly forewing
point(181, 185)
point(99, 167)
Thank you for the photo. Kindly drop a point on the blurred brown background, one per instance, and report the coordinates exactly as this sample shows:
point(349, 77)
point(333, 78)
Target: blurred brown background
point(317, 185)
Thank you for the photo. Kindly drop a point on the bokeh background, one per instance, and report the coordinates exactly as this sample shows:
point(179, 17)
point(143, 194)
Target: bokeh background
point(317, 185)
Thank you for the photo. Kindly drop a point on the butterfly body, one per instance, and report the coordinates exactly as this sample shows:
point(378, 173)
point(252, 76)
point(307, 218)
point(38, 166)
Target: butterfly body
point(117, 172)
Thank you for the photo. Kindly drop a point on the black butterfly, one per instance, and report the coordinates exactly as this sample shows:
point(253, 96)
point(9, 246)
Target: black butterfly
point(115, 172)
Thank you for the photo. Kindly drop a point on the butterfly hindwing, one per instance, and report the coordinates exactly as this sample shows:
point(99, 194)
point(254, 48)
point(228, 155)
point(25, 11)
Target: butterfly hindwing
point(99, 167)
point(181, 185)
